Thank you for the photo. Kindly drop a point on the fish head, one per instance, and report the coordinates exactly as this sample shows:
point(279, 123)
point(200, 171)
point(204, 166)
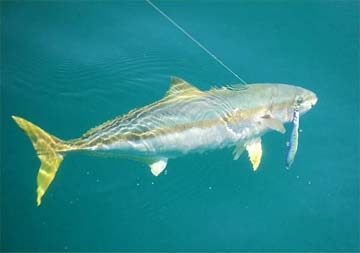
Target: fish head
point(303, 100)
point(294, 98)
point(264, 99)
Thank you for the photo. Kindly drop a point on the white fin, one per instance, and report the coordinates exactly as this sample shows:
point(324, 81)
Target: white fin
point(239, 148)
point(179, 86)
point(158, 166)
point(255, 152)
point(273, 123)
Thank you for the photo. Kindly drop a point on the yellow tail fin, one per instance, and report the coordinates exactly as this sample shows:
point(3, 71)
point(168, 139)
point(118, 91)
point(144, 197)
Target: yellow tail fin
point(48, 149)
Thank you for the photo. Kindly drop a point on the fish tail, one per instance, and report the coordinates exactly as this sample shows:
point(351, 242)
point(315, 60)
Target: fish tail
point(49, 150)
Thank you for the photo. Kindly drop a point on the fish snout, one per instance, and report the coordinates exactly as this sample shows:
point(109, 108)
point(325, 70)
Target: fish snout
point(306, 100)
point(313, 100)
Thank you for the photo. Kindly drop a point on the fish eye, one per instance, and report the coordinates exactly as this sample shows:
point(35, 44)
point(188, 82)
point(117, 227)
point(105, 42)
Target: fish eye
point(299, 100)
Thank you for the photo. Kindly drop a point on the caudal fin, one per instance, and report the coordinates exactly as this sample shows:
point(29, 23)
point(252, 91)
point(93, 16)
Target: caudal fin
point(48, 150)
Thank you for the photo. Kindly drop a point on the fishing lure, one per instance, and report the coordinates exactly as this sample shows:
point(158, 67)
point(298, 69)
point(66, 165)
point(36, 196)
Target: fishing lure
point(294, 138)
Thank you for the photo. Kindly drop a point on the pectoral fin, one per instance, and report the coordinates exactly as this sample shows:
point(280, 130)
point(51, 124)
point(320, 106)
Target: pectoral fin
point(255, 152)
point(239, 149)
point(273, 123)
point(158, 166)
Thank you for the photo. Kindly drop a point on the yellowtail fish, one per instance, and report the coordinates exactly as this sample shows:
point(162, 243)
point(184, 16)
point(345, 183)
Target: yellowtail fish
point(185, 120)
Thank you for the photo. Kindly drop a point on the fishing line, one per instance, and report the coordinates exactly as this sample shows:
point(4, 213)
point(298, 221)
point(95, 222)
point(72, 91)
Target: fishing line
point(194, 40)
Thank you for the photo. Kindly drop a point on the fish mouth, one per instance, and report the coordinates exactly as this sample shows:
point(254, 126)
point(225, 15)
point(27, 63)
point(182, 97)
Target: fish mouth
point(314, 100)
point(310, 99)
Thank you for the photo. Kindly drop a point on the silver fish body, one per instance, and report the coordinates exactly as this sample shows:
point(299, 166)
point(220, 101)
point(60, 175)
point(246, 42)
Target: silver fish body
point(196, 121)
point(185, 120)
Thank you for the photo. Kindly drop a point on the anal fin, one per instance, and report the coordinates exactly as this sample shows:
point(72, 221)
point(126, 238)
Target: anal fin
point(255, 152)
point(158, 166)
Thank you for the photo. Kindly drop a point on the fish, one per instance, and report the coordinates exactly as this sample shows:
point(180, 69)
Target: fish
point(186, 120)
point(292, 145)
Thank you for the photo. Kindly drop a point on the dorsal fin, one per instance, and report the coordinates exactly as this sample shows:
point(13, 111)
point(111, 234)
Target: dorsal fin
point(179, 86)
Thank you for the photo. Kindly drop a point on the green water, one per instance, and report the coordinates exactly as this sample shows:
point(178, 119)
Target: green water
point(68, 66)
